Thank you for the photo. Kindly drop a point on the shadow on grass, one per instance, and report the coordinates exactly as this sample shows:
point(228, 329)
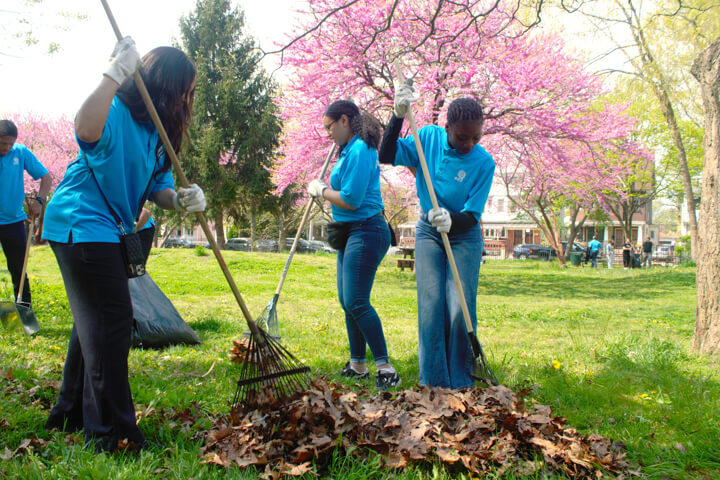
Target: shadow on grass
point(641, 395)
point(558, 284)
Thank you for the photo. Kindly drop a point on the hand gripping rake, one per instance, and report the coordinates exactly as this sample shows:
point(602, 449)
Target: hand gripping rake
point(269, 320)
point(482, 372)
point(268, 367)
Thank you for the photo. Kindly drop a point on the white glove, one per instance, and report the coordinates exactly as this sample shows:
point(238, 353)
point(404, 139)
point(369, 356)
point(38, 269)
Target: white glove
point(404, 95)
point(124, 60)
point(440, 219)
point(316, 187)
point(191, 199)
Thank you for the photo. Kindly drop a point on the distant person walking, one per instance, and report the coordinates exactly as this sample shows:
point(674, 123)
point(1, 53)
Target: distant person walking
point(594, 246)
point(627, 254)
point(610, 253)
point(647, 248)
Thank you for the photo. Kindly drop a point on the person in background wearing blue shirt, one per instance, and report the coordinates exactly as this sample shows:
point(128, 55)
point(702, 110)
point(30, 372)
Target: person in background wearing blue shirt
point(15, 160)
point(121, 161)
point(354, 194)
point(461, 172)
point(594, 247)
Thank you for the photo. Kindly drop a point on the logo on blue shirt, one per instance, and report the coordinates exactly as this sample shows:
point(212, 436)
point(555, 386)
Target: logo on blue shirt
point(460, 176)
point(16, 160)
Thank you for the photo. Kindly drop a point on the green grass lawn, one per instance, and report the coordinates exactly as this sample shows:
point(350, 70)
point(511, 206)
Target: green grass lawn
point(608, 349)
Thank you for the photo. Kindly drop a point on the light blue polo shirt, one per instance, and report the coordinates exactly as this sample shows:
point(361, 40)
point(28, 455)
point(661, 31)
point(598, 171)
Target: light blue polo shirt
point(123, 161)
point(462, 182)
point(12, 184)
point(594, 245)
point(356, 175)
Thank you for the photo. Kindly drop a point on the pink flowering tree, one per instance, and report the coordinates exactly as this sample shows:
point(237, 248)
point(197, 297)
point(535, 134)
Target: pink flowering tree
point(52, 140)
point(547, 137)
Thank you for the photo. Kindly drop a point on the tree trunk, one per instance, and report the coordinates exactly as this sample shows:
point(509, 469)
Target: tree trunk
point(252, 216)
point(654, 77)
point(706, 69)
point(282, 232)
point(219, 229)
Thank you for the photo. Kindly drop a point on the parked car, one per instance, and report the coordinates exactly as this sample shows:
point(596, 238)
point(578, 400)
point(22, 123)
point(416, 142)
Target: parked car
point(576, 247)
point(320, 246)
point(532, 250)
point(302, 247)
point(266, 245)
point(174, 242)
point(240, 244)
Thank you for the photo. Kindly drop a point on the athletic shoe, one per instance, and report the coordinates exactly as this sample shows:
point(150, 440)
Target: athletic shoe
point(387, 379)
point(350, 372)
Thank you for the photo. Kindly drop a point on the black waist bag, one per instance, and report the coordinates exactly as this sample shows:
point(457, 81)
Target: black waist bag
point(133, 254)
point(338, 233)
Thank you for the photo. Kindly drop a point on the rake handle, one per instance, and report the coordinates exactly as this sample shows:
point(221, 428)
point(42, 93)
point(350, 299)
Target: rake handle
point(446, 241)
point(305, 217)
point(25, 260)
point(183, 179)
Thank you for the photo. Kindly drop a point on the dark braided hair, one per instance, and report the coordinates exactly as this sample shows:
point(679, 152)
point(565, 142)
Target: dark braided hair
point(464, 110)
point(362, 124)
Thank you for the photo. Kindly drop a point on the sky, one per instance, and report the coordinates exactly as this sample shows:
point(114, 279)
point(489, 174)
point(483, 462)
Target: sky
point(33, 80)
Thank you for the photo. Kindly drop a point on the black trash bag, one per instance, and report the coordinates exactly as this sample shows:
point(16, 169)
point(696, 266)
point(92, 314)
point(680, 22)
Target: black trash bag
point(157, 324)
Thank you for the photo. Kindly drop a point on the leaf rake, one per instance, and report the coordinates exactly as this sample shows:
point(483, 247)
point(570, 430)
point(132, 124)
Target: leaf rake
point(268, 367)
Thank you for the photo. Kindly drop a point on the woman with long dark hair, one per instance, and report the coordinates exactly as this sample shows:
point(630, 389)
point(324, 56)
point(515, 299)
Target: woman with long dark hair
point(121, 163)
point(354, 194)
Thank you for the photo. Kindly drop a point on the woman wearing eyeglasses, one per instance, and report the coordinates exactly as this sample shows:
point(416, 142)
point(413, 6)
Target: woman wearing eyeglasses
point(354, 194)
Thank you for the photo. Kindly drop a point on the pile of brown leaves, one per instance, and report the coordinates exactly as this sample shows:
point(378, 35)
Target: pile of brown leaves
point(478, 429)
point(240, 349)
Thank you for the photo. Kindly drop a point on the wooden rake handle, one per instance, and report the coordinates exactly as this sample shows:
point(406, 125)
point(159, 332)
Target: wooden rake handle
point(433, 199)
point(30, 233)
point(183, 179)
point(305, 217)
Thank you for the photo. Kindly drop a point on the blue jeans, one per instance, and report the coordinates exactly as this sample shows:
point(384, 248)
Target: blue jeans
point(445, 355)
point(356, 266)
point(593, 259)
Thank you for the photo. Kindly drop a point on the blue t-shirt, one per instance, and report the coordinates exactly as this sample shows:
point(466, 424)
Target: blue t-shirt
point(356, 175)
point(462, 182)
point(124, 162)
point(594, 245)
point(12, 184)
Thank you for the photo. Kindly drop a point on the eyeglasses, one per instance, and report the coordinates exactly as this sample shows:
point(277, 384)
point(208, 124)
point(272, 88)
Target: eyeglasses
point(329, 126)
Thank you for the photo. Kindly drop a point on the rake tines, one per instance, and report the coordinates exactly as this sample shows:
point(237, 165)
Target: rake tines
point(269, 372)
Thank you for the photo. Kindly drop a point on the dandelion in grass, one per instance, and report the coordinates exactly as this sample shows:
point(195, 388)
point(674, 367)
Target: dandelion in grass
point(556, 365)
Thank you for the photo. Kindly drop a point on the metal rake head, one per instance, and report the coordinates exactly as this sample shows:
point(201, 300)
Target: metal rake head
point(269, 372)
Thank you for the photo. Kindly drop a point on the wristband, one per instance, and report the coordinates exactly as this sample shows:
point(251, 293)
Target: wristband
point(40, 200)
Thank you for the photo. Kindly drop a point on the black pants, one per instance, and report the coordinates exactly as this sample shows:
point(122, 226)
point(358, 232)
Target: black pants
point(627, 262)
point(95, 393)
point(14, 239)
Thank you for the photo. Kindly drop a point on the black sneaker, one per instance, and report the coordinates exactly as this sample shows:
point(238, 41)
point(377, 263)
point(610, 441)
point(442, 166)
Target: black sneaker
point(387, 380)
point(350, 372)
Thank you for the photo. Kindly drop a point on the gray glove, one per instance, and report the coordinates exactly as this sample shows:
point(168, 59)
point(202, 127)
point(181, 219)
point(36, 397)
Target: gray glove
point(191, 199)
point(123, 61)
point(440, 219)
point(404, 95)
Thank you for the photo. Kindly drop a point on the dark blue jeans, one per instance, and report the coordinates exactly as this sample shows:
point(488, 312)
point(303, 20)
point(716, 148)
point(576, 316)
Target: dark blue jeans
point(445, 355)
point(95, 393)
point(13, 239)
point(356, 266)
